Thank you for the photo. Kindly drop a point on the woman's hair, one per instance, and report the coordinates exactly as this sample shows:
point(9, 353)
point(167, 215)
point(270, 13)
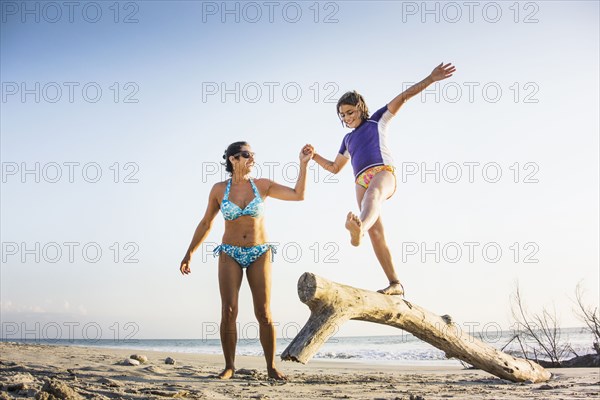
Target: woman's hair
point(232, 150)
point(353, 98)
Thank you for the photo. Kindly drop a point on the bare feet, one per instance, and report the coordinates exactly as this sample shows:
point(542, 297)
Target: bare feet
point(394, 289)
point(227, 373)
point(275, 374)
point(354, 225)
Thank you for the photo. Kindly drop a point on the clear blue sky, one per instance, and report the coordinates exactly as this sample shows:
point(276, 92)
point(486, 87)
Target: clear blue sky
point(161, 88)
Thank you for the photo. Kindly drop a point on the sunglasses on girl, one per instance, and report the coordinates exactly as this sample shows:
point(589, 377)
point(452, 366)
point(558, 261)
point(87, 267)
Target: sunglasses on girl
point(245, 154)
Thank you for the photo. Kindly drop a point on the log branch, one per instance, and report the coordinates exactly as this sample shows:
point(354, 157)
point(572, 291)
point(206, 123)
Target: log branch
point(332, 304)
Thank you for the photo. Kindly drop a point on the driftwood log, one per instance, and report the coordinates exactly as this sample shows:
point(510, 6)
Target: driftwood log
point(331, 304)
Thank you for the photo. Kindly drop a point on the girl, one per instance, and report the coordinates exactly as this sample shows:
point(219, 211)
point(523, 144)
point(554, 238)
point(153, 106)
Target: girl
point(245, 247)
point(366, 146)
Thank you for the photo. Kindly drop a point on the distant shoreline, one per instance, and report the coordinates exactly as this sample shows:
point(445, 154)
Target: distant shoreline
point(218, 353)
point(398, 350)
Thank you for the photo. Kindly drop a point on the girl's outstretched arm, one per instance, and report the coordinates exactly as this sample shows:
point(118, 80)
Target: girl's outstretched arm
point(282, 192)
point(440, 72)
point(331, 166)
point(202, 230)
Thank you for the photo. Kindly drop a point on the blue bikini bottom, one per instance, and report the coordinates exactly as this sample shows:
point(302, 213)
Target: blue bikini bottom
point(245, 256)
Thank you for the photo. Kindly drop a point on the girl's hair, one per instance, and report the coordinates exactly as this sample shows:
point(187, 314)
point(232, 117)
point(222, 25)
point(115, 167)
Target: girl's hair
point(232, 150)
point(353, 98)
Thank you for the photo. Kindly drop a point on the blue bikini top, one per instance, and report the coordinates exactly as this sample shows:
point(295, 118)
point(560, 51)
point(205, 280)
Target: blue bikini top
point(232, 211)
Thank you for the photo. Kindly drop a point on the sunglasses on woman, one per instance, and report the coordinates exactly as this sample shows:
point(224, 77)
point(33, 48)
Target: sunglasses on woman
point(245, 154)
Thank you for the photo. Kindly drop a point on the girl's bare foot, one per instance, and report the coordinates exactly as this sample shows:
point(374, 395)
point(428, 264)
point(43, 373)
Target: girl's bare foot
point(227, 373)
point(354, 225)
point(394, 289)
point(275, 374)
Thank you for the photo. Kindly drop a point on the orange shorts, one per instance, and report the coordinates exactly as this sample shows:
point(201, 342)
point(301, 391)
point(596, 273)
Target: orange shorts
point(365, 178)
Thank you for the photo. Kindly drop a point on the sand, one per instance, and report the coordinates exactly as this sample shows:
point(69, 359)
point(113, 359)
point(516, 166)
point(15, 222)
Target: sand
point(32, 370)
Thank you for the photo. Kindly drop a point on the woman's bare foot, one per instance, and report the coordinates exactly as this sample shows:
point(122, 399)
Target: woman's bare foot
point(394, 289)
point(354, 225)
point(227, 373)
point(275, 374)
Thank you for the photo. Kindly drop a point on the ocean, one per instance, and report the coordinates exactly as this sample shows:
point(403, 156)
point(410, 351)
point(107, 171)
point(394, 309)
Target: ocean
point(402, 349)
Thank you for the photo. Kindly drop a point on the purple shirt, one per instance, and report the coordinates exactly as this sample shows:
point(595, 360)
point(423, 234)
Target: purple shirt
point(366, 145)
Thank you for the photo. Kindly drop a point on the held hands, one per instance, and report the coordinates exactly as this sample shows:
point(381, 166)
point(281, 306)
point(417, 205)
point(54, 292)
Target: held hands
point(185, 266)
point(442, 72)
point(307, 153)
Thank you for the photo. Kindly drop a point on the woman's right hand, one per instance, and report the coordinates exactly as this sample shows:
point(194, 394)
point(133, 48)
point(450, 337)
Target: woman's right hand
point(185, 266)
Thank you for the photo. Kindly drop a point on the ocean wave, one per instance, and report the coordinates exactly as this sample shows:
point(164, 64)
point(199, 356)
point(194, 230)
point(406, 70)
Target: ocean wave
point(336, 356)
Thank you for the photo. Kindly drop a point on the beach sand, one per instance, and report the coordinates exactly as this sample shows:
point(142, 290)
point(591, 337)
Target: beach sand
point(86, 372)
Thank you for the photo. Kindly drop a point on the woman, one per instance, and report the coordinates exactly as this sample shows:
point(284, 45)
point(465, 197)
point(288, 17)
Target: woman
point(244, 247)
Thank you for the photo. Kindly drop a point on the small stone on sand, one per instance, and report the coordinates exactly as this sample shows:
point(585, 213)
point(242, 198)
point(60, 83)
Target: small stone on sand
point(141, 358)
